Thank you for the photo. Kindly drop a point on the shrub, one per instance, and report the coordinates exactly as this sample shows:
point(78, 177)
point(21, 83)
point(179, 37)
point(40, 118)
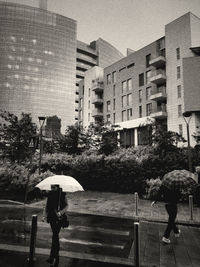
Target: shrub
point(57, 163)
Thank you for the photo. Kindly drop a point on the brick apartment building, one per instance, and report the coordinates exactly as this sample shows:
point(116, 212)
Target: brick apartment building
point(159, 82)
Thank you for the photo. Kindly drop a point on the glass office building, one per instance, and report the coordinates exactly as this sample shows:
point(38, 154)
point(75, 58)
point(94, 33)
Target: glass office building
point(37, 62)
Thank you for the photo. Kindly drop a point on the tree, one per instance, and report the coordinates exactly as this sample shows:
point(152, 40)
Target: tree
point(165, 141)
point(15, 134)
point(74, 141)
point(103, 137)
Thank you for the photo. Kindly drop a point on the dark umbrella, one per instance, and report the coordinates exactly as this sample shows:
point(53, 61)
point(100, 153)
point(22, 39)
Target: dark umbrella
point(179, 180)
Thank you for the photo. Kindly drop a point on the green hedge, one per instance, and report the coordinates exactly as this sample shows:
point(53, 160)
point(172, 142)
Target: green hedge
point(125, 171)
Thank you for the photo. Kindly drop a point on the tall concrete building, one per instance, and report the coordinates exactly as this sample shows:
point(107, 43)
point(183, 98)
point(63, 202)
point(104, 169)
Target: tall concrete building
point(41, 61)
point(158, 82)
point(97, 53)
point(37, 62)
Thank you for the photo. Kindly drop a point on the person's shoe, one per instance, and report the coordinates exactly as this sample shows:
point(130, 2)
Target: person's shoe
point(177, 234)
point(166, 240)
point(55, 262)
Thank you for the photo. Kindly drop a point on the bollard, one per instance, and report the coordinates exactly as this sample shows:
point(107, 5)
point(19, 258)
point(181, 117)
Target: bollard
point(136, 245)
point(136, 203)
point(191, 206)
point(31, 260)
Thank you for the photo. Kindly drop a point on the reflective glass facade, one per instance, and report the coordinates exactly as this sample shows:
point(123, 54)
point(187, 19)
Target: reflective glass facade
point(37, 62)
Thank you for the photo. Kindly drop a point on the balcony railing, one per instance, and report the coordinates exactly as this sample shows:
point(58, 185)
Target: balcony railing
point(158, 76)
point(97, 100)
point(158, 94)
point(158, 62)
point(97, 113)
point(97, 86)
point(159, 112)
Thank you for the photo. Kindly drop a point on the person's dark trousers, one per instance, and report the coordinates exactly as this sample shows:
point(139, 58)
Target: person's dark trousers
point(55, 245)
point(172, 211)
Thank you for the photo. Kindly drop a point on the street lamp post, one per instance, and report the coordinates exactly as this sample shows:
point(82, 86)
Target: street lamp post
point(187, 117)
point(41, 121)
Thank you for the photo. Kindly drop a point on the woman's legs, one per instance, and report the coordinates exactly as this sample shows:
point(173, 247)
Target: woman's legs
point(55, 245)
point(172, 212)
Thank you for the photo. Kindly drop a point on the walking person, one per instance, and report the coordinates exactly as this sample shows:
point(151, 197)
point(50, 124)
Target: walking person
point(171, 199)
point(56, 206)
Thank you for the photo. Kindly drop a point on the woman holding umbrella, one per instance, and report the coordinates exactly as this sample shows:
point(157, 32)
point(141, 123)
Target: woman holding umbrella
point(172, 185)
point(171, 199)
point(56, 206)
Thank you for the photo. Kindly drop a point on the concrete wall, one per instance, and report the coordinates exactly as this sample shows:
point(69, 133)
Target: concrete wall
point(177, 35)
point(191, 74)
point(195, 31)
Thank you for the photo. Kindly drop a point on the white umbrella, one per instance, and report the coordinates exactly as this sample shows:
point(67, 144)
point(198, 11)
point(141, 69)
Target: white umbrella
point(67, 183)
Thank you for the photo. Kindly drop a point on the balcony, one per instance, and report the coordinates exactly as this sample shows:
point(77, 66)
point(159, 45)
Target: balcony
point(87, 59)
point(97, 113)
point(80, 74)
point(160, 112)
point(158, 77)
point(158, 62)
point(159, 94)
point(97, 101)
point(97, 87)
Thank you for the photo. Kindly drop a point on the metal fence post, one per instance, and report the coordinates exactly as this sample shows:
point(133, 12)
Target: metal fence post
point(31, 258)
point(136, 245)
point(136, 203)
point(191, 206)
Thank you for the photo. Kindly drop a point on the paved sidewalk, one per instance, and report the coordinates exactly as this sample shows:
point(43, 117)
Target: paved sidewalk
point(123, 205)
point(180, 253)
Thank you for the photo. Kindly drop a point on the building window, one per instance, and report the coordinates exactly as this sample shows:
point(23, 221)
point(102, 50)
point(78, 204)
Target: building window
point(141, 79)
point(179, 91)
point(148, 58)
point(148, 109)
point(114, 104)
point(89, 92)
point(123, 87)
point(123, 101)
point(131, 65)
point(140, 111)
point(88, 117)
point(123, 115)
point(178, 53)
point(108, 106)
point(140, 96)
point(108, 78)
point(129, 99)
point(129, 113)
point(179, 110)
point(108, 118)
point(81, 102)
point(114, 77)
point(114, 90)
point(89, 104)
point(129, 84)
point(180, 129)
point(122, 69)
point(113, 117)
point(148, 76)
point(148, 93)
point(178, 72)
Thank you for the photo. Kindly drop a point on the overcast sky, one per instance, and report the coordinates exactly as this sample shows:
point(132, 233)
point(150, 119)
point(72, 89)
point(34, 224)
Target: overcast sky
point(123, 23)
